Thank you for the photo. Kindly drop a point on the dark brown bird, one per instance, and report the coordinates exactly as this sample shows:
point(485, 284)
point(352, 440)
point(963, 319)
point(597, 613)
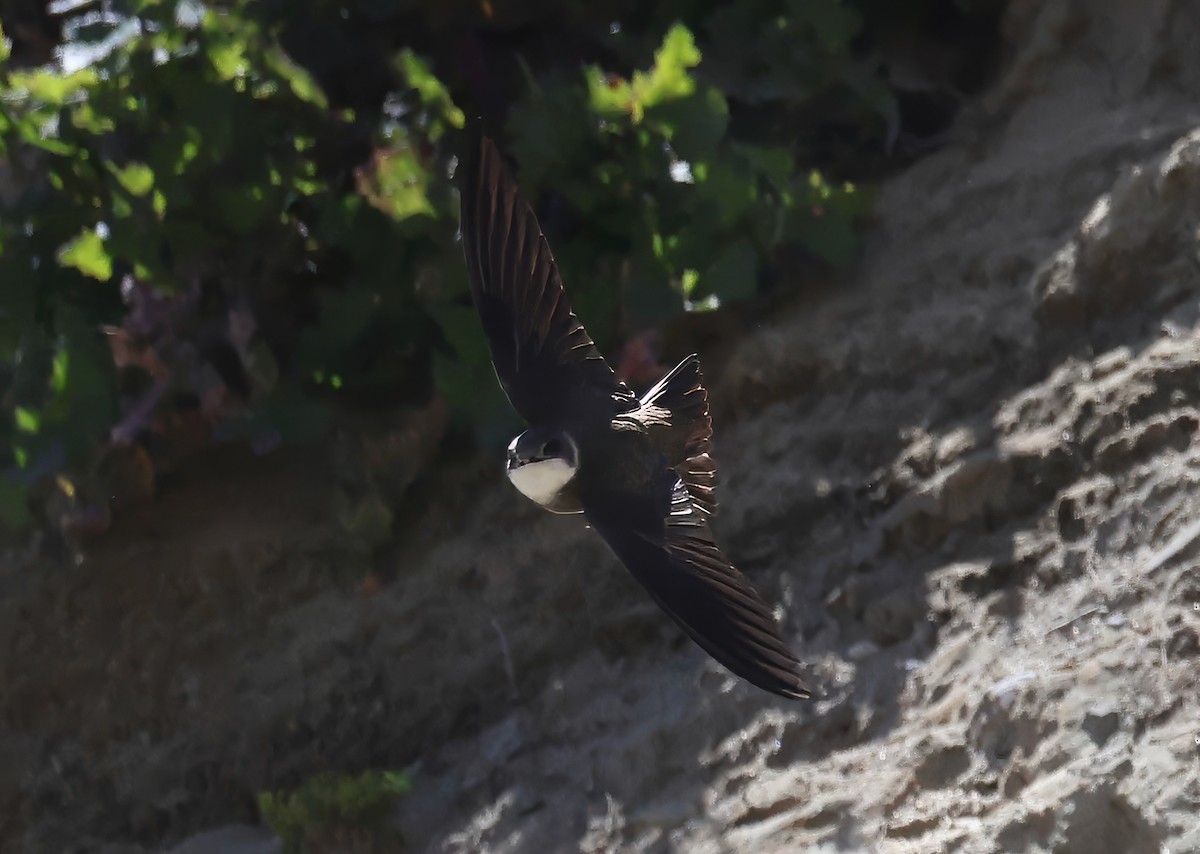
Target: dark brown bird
point(640, 470)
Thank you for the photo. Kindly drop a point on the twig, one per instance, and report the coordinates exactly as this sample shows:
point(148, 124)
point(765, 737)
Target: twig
point(1174, 546)
point(1062, 624)
point(508, 665)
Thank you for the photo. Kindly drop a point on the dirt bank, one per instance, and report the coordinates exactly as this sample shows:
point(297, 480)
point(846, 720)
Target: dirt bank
point(970, 475)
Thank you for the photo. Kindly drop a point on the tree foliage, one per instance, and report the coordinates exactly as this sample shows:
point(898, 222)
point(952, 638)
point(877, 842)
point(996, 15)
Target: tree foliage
point(243, 216)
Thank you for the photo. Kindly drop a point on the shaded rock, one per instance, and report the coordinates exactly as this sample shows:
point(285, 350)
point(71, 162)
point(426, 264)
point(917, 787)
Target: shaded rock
point(234, 839)
point(942, 766)
point(1101, 821)
point(1101, 722)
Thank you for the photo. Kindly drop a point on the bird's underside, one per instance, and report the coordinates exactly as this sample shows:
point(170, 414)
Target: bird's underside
point(644, 473)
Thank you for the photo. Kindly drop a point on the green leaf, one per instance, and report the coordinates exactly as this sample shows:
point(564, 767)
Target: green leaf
point(432, 91)
point(688, 282)
point(733, 274)
point(14, 507)
point(461, 329)
point(862, 80)
point(26, 420)
point(695, 124)
point(59, 371)
point(33, 134)
point(827, 236)
point(650, 299)
point(137, 178)
point(344, 318)
point(833, 22)
point(610, 97)
point(86, 254)
point(398, 184)
point(552, 130)
point(668, 78)
point(302, 84)
point(298, 418)
point(86, 117)
point(228, 56)
point(51, 88)
point(774, 163)
point(244, 208)
point(86, 405)
point(724, 190)
point(466, 378)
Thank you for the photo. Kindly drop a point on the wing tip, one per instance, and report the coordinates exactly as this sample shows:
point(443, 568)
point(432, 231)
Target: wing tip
point(796, 690)
point(781, 679)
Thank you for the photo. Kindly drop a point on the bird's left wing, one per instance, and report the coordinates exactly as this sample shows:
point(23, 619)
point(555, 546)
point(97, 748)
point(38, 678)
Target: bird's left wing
point(666, 544)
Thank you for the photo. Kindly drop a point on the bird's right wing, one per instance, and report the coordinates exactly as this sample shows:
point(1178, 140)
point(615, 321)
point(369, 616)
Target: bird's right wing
point(546, 362)
point(666, 544)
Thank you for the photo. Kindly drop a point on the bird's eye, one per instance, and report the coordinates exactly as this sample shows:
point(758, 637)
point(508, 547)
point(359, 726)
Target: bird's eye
point(553, 448)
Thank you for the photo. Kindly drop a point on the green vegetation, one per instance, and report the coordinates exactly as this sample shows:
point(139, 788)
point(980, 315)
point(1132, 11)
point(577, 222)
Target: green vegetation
point(329, 804)
point(242, 217)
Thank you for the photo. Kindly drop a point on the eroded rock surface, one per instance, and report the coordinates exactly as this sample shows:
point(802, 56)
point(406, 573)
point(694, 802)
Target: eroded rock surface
point(970, 477)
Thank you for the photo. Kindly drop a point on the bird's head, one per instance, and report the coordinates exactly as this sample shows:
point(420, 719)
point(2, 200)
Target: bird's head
point(541, 462)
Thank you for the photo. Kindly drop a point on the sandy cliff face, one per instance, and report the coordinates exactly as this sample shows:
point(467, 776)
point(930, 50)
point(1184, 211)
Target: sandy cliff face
point(973, 478)
point(970, 475)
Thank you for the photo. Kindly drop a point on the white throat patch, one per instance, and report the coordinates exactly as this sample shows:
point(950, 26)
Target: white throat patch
point(543, 480)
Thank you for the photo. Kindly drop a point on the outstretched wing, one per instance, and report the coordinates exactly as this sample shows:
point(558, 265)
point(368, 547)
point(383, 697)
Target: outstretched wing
point(544, 358)
point(666, 543)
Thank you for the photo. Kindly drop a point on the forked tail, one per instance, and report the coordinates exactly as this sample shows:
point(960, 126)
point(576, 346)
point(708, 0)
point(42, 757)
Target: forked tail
point(682, 393)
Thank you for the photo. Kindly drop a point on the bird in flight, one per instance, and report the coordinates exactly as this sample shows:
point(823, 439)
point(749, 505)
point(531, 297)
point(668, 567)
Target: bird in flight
point(639, 469)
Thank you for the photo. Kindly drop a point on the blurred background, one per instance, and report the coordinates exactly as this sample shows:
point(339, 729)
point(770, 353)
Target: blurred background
point(262, 585)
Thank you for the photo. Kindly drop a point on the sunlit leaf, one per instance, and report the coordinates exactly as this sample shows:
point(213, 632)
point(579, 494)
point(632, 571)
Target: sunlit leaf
point(397, 184)
point(234, 176)
point(301, 82)
point(50, 87)
point(87, 254)
point(35, 136)
point(610, 97)
point(433, 93)
point(228, 57)
point(86, 117)
point(668, 78)
point(59, 371)
point(26, 420)
point(137, 178)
